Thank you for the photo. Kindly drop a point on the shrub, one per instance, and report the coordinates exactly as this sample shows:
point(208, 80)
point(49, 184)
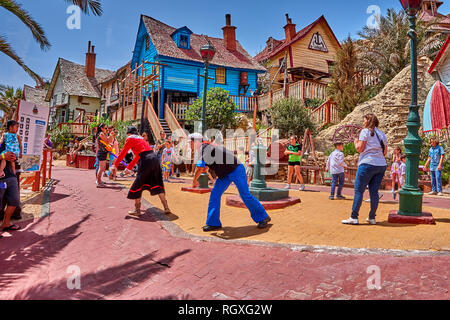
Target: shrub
point(290, 116)
point(220, 110)
point(61, 137)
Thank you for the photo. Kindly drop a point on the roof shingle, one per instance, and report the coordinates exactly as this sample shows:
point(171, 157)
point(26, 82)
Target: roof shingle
point(160, 34)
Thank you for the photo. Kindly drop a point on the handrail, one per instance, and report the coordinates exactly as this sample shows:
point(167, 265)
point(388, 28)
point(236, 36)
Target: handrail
point(172, 121)
point(153, 120)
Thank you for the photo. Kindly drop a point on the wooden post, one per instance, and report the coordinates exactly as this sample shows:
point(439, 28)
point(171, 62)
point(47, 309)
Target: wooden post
point(37, 181)
point(255, 111)
point(44, 168)
point(302, 86)
point(328, 112)
point(159, 92)
point(270, 99)
point(50, 165)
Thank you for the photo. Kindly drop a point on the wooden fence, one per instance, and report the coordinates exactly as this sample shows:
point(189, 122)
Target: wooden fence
point(77, 129)
point(38, 179)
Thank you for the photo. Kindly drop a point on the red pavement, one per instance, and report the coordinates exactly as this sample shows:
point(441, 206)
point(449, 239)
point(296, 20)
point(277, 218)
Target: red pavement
point(123, 258)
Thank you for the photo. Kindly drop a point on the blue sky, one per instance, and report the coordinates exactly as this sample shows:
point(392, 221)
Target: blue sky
point(114, 33)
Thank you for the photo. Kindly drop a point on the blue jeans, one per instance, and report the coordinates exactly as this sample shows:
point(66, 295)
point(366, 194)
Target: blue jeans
point(337, 178)
point(436, 181)
point(372, 176)
point(239, 178)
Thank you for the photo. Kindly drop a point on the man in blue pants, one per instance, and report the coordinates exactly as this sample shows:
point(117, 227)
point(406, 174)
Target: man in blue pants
point(228, 169)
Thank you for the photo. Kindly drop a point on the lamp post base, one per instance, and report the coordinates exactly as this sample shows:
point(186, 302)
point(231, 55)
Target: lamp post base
point(424, 218)
point(410, 202)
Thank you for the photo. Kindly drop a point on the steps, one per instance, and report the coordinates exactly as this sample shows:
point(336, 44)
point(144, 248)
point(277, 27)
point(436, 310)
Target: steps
point(166, 128)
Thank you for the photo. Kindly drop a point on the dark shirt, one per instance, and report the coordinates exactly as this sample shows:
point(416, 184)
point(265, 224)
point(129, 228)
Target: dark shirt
point(218, 159)
point(8, 170)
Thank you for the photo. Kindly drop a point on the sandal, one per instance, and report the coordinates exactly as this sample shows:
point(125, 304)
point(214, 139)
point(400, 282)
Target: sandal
point(12, 227)
point(167, 211)
point(135, 213)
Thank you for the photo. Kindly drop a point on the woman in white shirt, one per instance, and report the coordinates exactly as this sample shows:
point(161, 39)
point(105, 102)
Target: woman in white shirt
point(372, 147)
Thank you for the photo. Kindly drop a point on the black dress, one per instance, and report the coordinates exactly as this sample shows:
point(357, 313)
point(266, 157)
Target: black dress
point(149, 176)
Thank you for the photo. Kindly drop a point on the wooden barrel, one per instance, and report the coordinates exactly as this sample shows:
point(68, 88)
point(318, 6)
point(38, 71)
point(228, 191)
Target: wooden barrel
point(244, 78)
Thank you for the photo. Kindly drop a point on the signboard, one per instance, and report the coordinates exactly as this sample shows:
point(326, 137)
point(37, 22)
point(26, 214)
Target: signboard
point(33, 121)
point(317, 43)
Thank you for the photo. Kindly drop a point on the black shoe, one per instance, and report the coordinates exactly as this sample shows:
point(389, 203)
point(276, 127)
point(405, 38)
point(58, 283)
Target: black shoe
point(210, 228)
point(263, 224)
point(341, 197)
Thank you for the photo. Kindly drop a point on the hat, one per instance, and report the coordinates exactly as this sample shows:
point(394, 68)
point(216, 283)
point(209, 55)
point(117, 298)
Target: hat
point(196, 136)
point(132, 130)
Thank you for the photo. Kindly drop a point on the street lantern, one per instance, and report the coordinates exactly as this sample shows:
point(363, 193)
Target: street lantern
point(411, 7)
point(411, 196)
point(207, 51)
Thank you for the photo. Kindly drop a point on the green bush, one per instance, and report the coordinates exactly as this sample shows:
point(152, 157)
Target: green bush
point(349, 149)
point(61, 137)
point(290, 116)
point(314, 103)
point(220, 110)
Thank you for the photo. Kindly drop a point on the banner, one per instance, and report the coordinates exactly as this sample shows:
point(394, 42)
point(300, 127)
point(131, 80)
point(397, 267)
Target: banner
point(33, 121)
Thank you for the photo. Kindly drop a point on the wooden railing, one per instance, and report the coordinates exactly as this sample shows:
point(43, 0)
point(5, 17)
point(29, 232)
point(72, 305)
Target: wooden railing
point(172, 122)
point(277, 95)
point(264, 101)
point(153, 120)
point(38, 179)
point(233, 144)
point(325, 114)
point(179, 110)
point(77, 129)
point(243, 103)
point(128, 113)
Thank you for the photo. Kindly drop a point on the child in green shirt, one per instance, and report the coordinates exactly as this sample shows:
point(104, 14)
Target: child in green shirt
point(294, 150)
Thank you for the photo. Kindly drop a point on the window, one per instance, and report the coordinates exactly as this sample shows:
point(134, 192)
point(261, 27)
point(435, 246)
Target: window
point(147, 43)
point(221, 77)
point(184, 41)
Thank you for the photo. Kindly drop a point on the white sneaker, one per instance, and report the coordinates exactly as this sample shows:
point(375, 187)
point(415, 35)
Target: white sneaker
point(432, 193)
point(288, 186)
point(302, 187)
point(440, 194)
point(350, 221)
point(371, 221)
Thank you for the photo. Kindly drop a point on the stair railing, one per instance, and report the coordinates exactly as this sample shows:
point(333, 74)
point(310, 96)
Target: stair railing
point(173, 123)
point(153, 120)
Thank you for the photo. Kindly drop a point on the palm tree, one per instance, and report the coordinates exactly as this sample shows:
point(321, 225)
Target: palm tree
point(385, 50)
point(15, 8)
point(9, 99)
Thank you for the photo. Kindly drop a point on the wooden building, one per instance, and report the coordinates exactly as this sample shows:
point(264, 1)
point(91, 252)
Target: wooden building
point(110, 88)
point(180, 81)
point(441, 65)
point(74, 92)
point(306, 54)
point(430, 14)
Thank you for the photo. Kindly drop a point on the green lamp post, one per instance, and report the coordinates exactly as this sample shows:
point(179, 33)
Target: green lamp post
point(207, 52)
point(411, 195)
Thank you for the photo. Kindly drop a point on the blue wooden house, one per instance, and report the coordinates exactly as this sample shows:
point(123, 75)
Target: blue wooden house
point(181, 81)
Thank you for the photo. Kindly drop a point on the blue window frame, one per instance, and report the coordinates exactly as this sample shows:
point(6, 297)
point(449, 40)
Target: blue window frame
point(184, 41)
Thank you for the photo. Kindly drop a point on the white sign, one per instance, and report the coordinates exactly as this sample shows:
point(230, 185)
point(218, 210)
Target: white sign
point(317, 43)
point(33, 120)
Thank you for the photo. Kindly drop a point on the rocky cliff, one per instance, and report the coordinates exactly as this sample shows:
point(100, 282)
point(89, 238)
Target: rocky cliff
point(390, 106)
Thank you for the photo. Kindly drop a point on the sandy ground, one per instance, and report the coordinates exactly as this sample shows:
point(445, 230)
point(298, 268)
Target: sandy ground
point(316, 221)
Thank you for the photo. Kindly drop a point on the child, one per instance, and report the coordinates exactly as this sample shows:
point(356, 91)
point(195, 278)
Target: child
point(402, 171)
point(294, 150)
point(336, 166)
point(166, 160)
point(435, 160)
point(12, 143)
point(395, 169)
point(115, 146)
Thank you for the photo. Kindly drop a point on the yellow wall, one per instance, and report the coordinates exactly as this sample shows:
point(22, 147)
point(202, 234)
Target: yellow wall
point(313, 59)
point(302, 56)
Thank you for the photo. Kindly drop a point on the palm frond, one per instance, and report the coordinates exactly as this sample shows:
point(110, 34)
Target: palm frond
point(6, 49)
point(24, 16)
point(87, 6)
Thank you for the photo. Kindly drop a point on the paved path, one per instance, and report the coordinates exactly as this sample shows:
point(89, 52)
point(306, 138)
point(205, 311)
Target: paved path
point(122, 258)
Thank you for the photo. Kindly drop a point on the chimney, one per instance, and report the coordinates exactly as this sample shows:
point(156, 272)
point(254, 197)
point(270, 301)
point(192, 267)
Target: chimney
point(289, 29)
point(269, 44)
point(90, 61)
point(229, 34)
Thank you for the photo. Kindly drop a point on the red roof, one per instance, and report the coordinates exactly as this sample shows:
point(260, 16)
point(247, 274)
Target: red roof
point(279, 46)
point(440, 55)
point(160, 34)
point(442, 20)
